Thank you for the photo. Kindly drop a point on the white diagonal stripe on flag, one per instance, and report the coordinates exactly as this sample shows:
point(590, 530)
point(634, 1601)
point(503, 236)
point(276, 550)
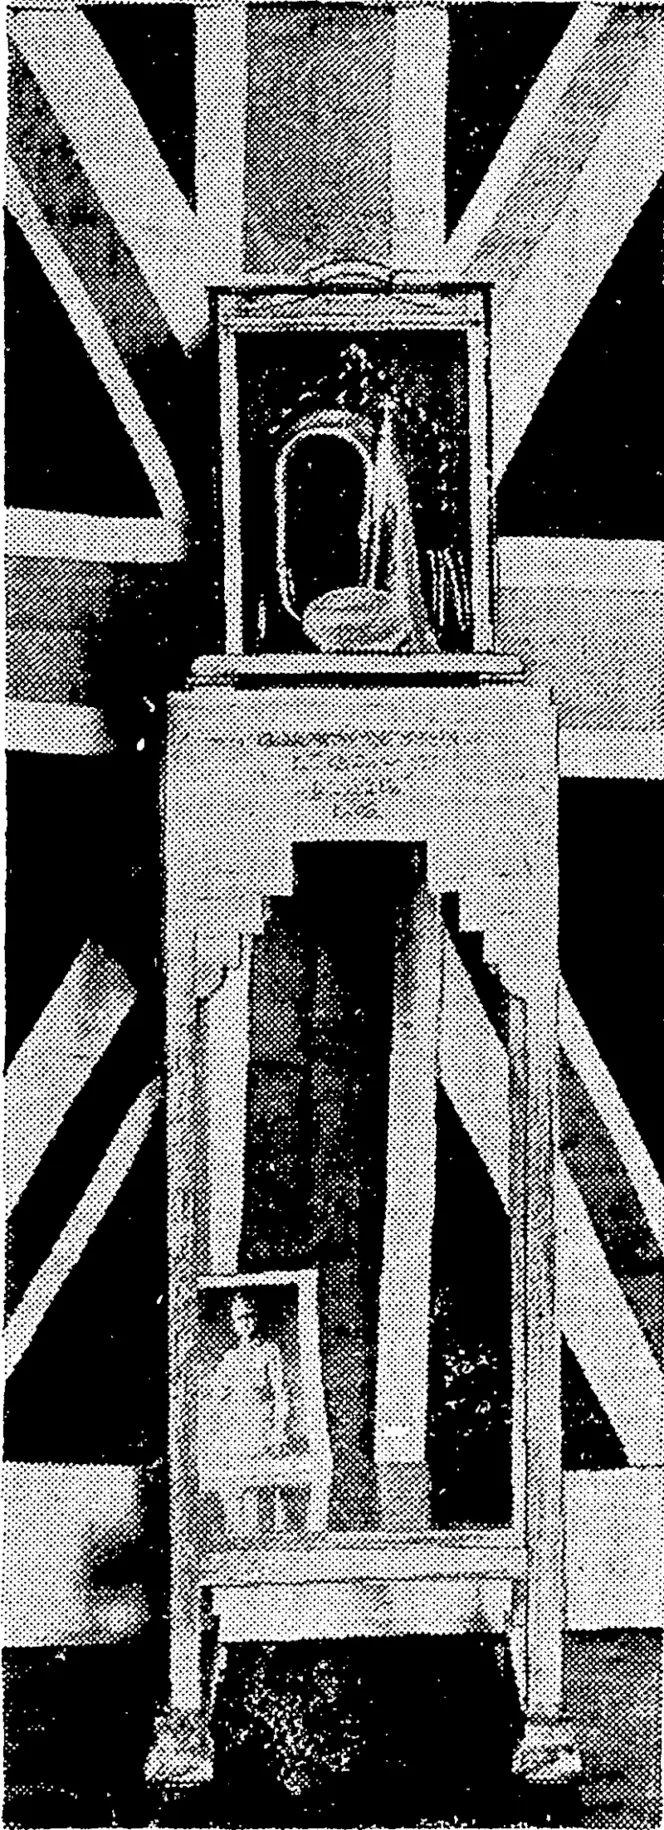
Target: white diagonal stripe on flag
point(516, 150)
point(535, 320)
point(56, 1059)
point(99, 1194)
point(118, 155)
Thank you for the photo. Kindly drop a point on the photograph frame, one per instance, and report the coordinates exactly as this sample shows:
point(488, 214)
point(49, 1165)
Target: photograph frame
point(310, 1467)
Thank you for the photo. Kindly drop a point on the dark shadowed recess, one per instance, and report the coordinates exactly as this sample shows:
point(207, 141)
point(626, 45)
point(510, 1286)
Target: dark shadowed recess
point(470, 1387)
point(65, 446)
point(153, 50)
point(591, 463)
point(317, 1118)
point(496, 53)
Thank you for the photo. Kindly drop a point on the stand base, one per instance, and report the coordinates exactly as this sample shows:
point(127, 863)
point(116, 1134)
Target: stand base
point(182, 1753)
point(547, 1753)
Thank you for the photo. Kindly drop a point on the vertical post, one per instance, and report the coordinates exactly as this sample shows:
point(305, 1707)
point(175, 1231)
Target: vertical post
point(181, 1119)
point(419, 102)
point(403, 1326)
point(230, 490)
point(226, 1068)
point(547, 1750)
point(182, 1748)
point(517, 1211)
point(480, 561)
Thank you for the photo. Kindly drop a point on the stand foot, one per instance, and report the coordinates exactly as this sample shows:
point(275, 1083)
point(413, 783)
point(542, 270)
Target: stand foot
point(547, 1753)
point(182, 1753)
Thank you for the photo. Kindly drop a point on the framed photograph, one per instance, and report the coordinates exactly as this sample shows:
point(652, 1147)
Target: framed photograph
point(261, 1424)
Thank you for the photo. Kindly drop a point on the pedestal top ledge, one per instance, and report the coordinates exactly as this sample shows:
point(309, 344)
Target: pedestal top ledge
point(353, 669)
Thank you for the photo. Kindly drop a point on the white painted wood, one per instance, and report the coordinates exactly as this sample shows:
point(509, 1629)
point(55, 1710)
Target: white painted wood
point(252, 774)
point(461, 1553)
point(225, 1070)
point(56, 1059)
point(365, 1610)
point(545, 1593)
point(119, 157)
point(387, 762)
point(49, 728)
point(480, 584)
point(292, 304)
point(213, 669)
point(230, 491)
point(403, 1323)
point(419, 105)
point(221, 106)
point(101, 1191)
point(517, 1087)
point(599, 1083)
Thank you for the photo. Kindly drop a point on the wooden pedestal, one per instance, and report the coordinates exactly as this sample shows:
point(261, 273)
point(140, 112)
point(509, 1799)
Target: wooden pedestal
point(261, 757)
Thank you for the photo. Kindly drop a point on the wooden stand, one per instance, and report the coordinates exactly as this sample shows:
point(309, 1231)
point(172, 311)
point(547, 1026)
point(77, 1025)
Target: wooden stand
point(255, 765)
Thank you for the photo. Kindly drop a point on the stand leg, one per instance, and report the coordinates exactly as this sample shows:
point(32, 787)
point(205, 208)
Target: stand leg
point(182, 1753)
point(547, 1751)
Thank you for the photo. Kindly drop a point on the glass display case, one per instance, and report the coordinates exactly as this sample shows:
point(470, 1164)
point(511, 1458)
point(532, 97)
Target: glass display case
point(354, 464)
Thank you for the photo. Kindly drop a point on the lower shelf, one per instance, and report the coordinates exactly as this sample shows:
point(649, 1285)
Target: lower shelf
point(339, 1556)
point(368, 1584)
point(363, 1609)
